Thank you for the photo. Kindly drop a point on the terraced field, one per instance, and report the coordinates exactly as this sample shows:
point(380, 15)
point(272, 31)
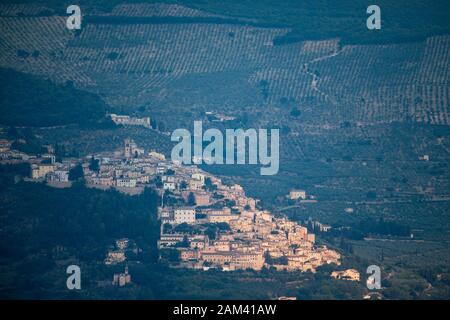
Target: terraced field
point(176, 71)
point(355, 119)
point(152, 65)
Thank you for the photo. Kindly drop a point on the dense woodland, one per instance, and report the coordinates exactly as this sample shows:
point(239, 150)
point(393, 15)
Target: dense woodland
point(27, 100)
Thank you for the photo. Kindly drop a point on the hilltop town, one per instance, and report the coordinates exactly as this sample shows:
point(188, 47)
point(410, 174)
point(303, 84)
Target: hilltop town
point(205, 222)
point(364, 128)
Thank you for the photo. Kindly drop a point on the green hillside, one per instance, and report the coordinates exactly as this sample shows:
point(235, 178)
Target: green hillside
point(26, 100)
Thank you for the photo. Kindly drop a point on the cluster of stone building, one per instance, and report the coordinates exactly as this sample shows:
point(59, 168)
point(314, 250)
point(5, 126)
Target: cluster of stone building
point(349, 274)
point(9, 155)
point(130, 121)
point(117, 254)
point(126, 169)
point(253, 238)
point(43, 167)
point(122, 279)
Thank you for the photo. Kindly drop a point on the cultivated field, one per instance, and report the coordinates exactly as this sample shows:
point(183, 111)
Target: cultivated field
point(234, 67)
